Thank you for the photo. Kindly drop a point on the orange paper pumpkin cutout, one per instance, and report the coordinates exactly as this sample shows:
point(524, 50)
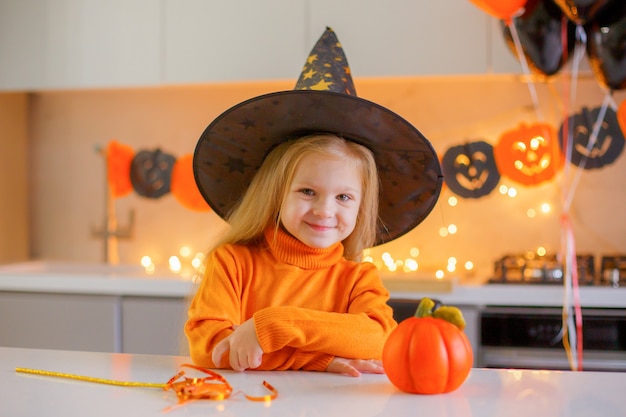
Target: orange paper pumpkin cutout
point(119, 158)
point(529, 154)
point(183, 185)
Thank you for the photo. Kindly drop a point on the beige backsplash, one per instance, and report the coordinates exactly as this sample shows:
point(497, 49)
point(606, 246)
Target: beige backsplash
point(66, 175)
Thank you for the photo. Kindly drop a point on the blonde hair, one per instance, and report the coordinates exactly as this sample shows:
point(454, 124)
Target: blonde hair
point(260, 206)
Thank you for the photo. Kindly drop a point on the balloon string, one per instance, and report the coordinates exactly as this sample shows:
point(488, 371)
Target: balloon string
point(525, 68)
point(572, 326)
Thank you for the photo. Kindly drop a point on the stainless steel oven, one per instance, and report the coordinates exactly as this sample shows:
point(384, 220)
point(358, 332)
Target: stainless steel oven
point(531, 338)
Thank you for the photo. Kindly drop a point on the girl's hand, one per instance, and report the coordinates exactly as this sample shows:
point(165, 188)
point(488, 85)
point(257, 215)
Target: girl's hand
point(242, 346)
point(354, 367)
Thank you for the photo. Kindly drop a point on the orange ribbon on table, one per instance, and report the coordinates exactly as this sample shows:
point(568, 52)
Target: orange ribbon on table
point(211, 387)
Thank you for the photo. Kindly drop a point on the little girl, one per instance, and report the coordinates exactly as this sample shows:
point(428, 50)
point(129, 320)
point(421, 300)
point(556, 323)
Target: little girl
point(298, 176)
point(284, 289)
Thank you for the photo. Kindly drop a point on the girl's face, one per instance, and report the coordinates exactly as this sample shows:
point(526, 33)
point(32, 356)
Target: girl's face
point(323, 201)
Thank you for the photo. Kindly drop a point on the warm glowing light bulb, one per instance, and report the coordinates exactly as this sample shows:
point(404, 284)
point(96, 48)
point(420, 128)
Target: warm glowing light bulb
point(175, 264)
point(545, 208)
point(503, 189)
point(541, 251)
point(469, 265)
point(452, 229)
point(185, 251)
point(196, 263)
point(146, 261)
point(368, 259)
point(452, 260)
point(451, 267)
point(410, 265)
point(439, 274)
point(512, 192)
point(414, 252)
point(443, 231)
point(386, 256)
point(452, 201)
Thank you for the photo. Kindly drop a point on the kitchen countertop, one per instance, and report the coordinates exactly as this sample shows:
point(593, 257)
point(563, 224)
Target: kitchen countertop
point(131, 280)
point(486, 392)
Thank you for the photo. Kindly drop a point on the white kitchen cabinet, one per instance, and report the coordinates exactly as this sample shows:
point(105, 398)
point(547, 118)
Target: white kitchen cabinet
point(225, 40)
point(154, 325)
point(66, 44)
point(406, 37)
point(59, 44)
point(59, 321)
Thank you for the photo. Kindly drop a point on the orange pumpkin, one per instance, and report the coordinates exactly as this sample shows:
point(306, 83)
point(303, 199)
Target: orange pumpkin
point(529, 154)
point(428, 353)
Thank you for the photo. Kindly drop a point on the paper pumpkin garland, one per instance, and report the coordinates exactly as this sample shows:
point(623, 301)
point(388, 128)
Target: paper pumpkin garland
point(529, 154)
point(118, 159)
point(470, 169)
point(183, 185)
point(150, 173)
point(608, 145)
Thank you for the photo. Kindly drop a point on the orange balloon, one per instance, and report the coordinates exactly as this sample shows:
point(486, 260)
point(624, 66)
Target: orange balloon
point(119, 158)
point(183, 185)
point(502, 9)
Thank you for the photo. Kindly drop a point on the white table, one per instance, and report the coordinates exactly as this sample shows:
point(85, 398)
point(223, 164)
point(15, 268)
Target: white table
point(486, 392)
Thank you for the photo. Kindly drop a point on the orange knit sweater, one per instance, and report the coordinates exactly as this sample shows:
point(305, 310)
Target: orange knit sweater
point(309, 305)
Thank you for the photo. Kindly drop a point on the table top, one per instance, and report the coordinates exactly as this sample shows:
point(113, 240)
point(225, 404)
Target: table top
point(486, 392)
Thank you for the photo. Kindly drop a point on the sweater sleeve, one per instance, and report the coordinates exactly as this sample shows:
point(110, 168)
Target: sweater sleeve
point(213, 310)
point(358, 334)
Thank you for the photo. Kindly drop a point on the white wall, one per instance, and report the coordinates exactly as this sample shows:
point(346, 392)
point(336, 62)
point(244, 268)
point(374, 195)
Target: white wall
point(67, 176)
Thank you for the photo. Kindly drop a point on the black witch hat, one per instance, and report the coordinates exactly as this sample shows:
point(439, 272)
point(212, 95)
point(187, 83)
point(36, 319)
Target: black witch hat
point(234, 145)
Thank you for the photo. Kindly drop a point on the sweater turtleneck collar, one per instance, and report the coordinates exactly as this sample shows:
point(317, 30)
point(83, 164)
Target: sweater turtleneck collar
point(292, 251)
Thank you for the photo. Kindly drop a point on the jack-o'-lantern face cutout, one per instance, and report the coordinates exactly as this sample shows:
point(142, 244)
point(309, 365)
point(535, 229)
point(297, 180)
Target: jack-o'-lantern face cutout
point(470, 169)
point(151, 173)
point(529, 154)
point(587, 152)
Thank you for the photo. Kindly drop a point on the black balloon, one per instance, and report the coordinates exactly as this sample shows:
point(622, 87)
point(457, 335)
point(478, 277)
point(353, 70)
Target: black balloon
point(606, 47)
point(584, 11)
point(540, 34)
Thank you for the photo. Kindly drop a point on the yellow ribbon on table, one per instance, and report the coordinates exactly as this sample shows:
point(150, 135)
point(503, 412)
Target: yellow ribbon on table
point(212, 387)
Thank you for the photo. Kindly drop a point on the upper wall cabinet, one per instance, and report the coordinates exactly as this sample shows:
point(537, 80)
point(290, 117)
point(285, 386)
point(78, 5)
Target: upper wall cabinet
point(58, 44)
point(406, 37)
point(226, 40)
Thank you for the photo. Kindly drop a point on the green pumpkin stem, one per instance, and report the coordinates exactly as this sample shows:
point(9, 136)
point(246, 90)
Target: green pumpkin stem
point(425, 308)
point(428, 308)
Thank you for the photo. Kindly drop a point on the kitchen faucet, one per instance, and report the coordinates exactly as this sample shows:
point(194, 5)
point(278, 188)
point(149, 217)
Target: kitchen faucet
point(110, 231)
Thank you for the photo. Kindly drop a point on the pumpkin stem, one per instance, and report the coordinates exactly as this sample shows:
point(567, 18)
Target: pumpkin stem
point(425, 308)
point(428, 308)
